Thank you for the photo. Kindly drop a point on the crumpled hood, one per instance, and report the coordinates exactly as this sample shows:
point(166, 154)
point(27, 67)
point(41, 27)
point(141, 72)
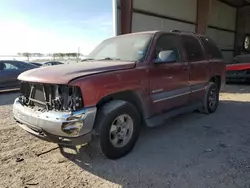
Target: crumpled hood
point(63, 74)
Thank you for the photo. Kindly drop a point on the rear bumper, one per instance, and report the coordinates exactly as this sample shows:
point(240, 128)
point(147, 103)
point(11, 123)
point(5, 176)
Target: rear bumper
point(59, 127)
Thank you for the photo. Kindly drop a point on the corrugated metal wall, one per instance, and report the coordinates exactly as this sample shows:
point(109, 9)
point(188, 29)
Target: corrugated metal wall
point(164, 15)
point(182, 15)
point(176, 8)
point(222, 27)
point(144, 22)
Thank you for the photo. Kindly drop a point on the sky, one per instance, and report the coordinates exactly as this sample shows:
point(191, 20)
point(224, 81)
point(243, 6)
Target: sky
point(50, 26)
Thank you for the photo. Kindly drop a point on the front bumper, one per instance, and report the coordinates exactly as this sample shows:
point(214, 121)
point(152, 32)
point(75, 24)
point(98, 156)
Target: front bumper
point(53, 126)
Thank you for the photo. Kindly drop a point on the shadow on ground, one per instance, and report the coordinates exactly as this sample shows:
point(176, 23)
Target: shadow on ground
point(192, 150)
point(7, 98)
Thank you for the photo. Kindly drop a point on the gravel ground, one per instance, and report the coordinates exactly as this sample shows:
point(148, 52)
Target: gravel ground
point(192, 150)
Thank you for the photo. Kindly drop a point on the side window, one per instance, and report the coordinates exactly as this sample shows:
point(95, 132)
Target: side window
point(211, 48)
point(21, 65)
point(193, 49)
point(167, 42)
point(7, 66)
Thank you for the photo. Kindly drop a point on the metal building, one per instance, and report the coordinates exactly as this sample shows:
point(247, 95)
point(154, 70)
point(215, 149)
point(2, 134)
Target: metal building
point(225, 21)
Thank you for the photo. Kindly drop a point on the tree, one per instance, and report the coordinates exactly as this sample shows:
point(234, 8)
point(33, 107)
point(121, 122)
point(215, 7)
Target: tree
point(27, 55)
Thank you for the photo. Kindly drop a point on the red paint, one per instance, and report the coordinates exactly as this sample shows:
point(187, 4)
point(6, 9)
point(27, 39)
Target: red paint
point(147, 77)
point(62, 74)
point(94, 87)
point(237, 67)
point(98, 80)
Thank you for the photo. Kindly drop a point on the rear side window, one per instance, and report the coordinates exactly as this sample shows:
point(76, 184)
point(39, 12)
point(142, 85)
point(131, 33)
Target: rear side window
point(193, 48)
point(211, 49)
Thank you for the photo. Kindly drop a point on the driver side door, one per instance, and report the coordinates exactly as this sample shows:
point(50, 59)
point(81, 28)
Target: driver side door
point(169, 81)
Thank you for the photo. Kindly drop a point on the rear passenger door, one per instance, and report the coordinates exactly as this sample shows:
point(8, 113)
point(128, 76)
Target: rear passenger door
point(216, 61)
point(198, 66)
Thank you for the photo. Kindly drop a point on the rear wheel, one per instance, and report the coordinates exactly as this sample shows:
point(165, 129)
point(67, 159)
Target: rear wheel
point(117, 129)
point(211, 99)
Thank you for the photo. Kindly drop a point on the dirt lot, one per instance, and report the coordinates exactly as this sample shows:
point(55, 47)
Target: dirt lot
point(192, 150)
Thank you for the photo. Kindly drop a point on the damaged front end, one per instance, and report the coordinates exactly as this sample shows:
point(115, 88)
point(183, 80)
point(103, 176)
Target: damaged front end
point(51, 97)
point(54, 111)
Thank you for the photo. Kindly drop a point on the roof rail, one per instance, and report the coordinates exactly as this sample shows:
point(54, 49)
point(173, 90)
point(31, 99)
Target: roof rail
point(179, 31)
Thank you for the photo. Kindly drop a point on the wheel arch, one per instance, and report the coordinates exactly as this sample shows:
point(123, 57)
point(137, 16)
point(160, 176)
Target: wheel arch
point(217, 80)
point(134, 97)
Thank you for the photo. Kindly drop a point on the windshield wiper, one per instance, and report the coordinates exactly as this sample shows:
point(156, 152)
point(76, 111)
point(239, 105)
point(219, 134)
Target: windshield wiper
point(109, 58)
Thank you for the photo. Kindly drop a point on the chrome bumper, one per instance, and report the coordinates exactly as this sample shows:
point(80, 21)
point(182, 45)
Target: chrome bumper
point(71, 125)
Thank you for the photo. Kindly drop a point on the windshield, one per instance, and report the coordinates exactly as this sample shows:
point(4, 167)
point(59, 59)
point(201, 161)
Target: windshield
point(123, 48)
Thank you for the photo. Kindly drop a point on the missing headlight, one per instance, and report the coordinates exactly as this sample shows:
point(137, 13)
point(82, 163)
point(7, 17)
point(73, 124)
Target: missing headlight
point(51, 97)
point(67, 98)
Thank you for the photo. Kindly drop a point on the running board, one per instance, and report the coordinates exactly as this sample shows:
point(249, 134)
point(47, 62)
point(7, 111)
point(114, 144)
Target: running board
point(162, 118)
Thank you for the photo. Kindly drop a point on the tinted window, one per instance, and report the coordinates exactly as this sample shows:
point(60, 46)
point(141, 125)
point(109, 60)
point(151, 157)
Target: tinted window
point(47, 64)
point(56, 63)
point(193, 48)
point(167, 42)
point(211, 49)
point(21, 65)
point(9, 66)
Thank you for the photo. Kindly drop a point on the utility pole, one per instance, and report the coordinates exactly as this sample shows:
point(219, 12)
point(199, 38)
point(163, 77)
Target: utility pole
point(54, 56)
point(78, 52)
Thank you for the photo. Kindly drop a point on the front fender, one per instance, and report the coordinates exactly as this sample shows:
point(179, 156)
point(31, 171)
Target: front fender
point(96, 87)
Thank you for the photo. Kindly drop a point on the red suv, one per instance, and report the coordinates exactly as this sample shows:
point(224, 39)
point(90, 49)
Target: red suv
point(127, 81)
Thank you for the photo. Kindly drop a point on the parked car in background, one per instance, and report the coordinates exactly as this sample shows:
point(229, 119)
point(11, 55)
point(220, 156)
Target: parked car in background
point(239, 69)
point(37, 64)
point(9, 71)
point(148, 78)
point(52, 63)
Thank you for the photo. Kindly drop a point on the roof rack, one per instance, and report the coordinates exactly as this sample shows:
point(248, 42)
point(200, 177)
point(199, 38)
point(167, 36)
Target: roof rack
point(179, 31)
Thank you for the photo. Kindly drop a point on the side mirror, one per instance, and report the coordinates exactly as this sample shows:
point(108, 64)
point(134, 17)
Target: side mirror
point(167, 56)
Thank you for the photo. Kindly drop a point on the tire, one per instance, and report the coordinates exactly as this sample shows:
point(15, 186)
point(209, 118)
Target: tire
point(208, 108)
point(106, 118)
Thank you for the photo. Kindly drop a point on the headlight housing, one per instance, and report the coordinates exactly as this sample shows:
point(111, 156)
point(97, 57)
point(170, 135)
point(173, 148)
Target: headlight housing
point(51, 96)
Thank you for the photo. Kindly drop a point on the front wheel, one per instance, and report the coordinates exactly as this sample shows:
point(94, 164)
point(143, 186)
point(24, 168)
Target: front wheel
point(117, 128)
point(211, 99)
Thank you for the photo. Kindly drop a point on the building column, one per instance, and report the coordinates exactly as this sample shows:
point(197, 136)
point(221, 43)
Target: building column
point(203, 10)
point(126, 16)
